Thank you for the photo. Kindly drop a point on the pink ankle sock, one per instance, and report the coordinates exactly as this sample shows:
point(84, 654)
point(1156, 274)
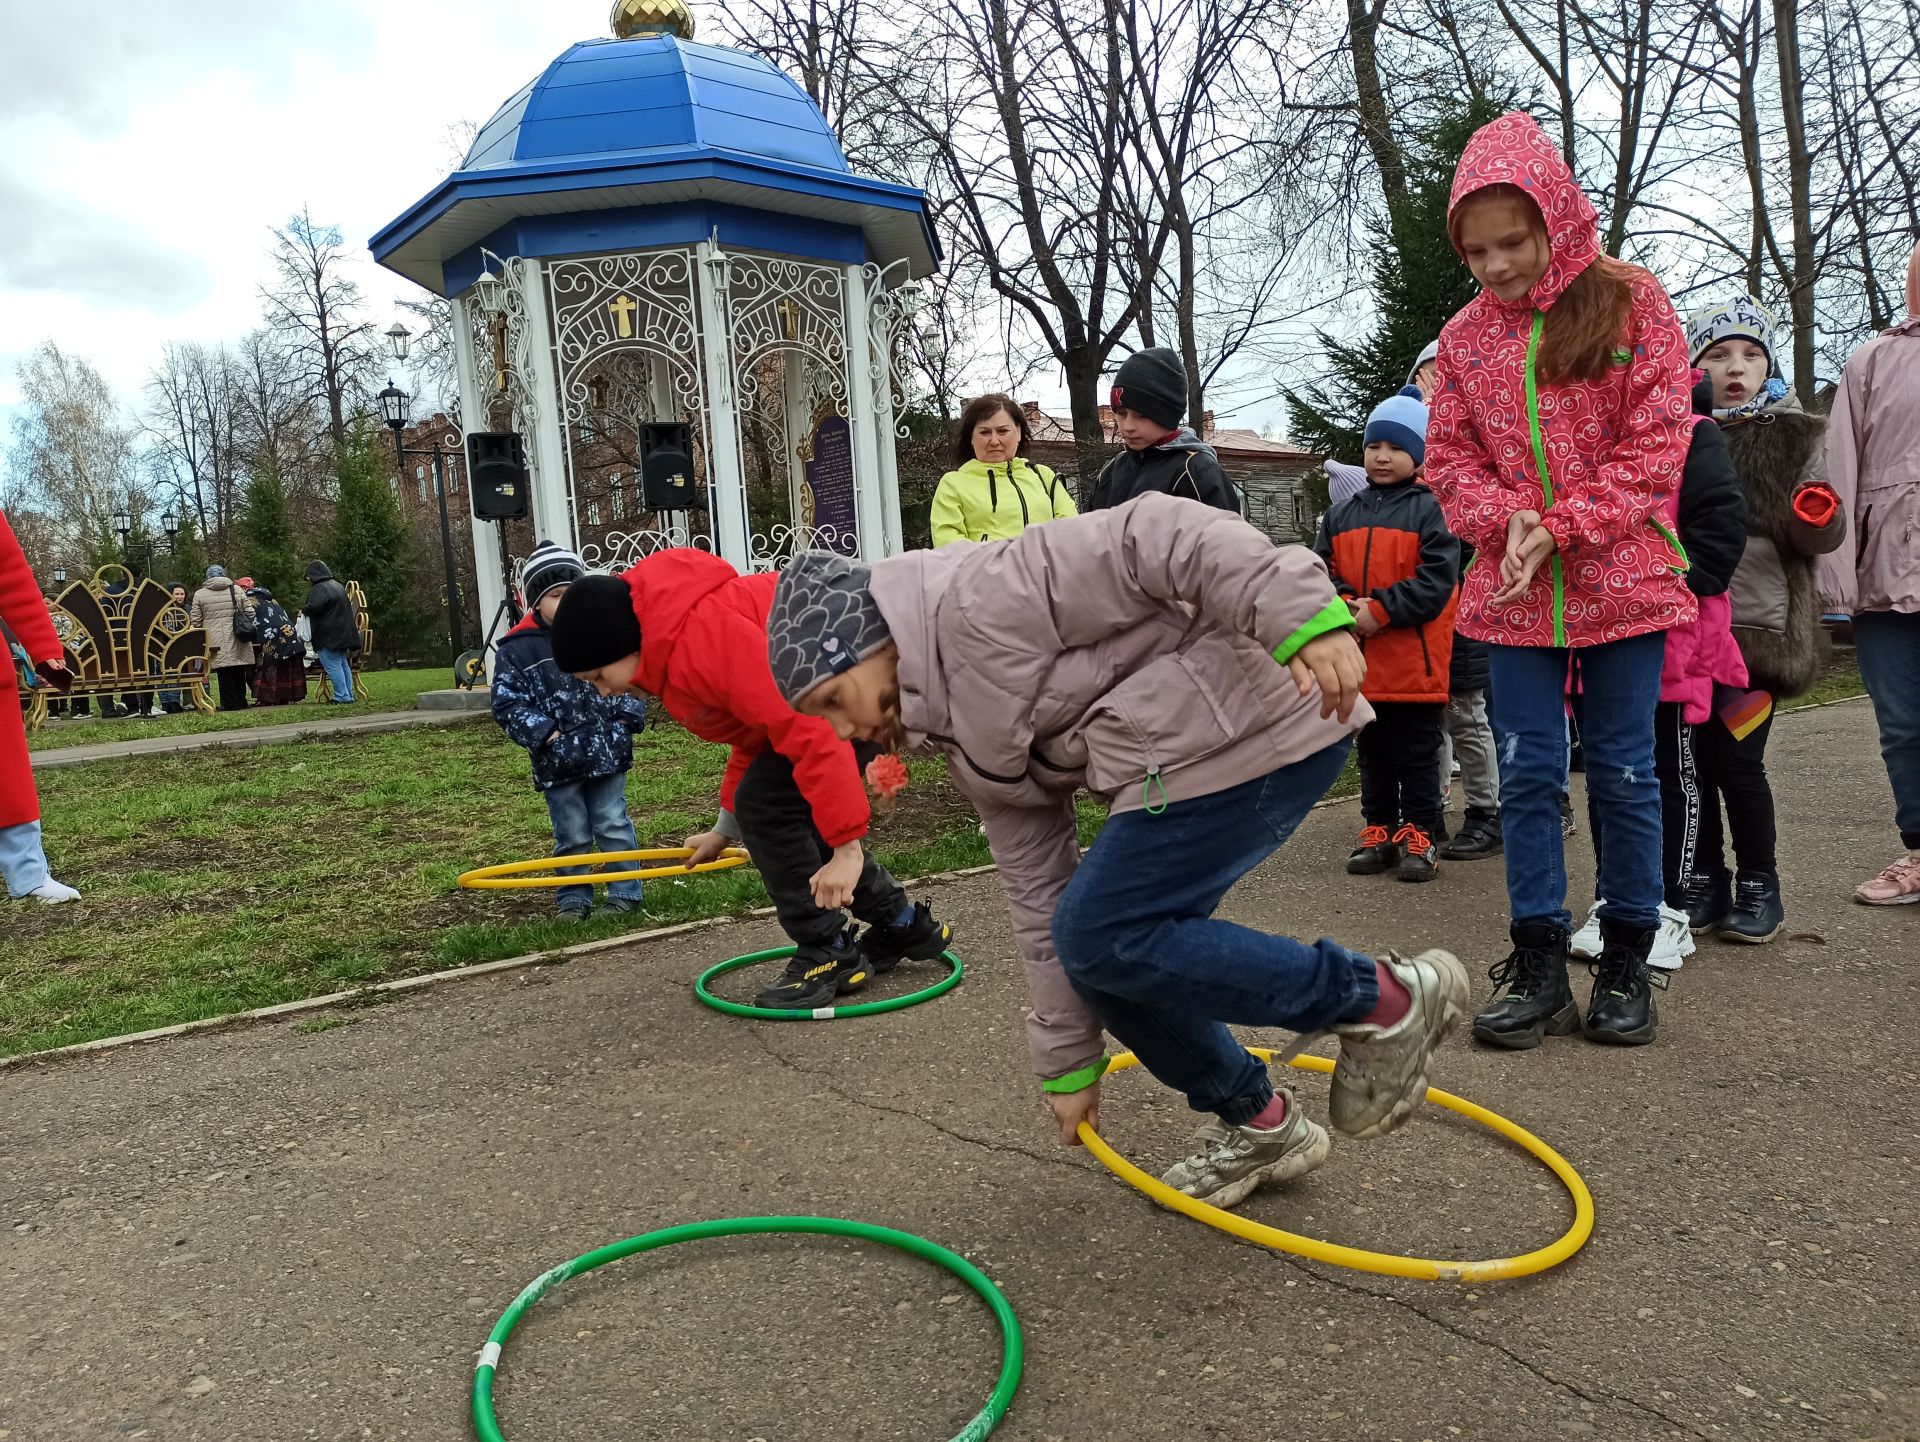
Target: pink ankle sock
point(1395, 1000)
point(1270, 1115)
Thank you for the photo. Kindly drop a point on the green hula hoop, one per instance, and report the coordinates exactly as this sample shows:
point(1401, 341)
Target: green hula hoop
point(819, 1013)
point(1012, 1347)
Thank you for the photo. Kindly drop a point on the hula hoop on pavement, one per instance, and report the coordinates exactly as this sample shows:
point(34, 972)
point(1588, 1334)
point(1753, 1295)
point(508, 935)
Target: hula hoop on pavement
point(515, 875)
point(1389, 1264)
point(486, 1425)
point(819, 1013)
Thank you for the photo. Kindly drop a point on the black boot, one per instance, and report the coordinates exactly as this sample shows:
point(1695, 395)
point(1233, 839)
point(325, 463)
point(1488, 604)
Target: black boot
point(921, 939)
point(1375, 853)
point(1539, 1000)
point(1757, 914)
point(817, 974)
point(1621, 1010)
point(1706, 897)
point(1478, 838)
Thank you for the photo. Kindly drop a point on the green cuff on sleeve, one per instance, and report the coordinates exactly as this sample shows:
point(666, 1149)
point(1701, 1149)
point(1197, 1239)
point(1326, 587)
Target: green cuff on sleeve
point(1334, 617)
point(1076, 1081)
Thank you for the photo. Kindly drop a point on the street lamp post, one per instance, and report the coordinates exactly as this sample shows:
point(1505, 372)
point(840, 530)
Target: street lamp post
point(394, 403)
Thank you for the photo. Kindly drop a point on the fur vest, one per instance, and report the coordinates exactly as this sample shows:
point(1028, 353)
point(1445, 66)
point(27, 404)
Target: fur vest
point(1776, 602)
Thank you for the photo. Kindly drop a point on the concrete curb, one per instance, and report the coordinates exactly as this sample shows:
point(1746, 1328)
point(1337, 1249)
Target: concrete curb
point(320, 728)
point(361, 995)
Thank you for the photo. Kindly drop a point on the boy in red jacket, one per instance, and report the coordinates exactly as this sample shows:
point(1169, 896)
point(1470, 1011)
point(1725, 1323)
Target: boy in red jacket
point(683, 625)
point(1395, 564)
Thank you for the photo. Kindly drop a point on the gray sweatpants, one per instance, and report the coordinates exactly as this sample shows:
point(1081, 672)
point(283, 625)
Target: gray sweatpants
point(1470, 737)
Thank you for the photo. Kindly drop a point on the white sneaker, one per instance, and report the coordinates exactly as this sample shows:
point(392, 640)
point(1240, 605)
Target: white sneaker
point(1381, 1075)
point(1586, 941)
point(53, 893)
point(1673, 943)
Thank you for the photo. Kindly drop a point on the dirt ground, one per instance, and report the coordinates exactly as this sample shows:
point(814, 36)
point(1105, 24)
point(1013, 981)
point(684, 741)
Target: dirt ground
point(269, 1233)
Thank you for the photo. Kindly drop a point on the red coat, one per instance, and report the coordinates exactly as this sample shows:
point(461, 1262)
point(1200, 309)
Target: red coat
point(25, 613)
point(703, 652)
point(1597, 459)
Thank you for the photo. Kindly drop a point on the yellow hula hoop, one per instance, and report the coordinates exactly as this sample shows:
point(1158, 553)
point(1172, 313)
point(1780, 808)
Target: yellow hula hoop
point(512, 875)
point(1359, 1259)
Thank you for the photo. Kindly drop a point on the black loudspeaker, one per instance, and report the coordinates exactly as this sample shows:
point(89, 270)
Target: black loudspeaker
point(666, 467)
point(497, 475)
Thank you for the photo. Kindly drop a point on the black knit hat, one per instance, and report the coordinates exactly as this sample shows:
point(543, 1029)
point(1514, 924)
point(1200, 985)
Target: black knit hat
point(1154, 383)
point(595, 625)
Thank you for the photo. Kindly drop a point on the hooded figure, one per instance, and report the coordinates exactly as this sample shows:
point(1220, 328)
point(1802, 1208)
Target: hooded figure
point(330, 609)
point(1598, 464)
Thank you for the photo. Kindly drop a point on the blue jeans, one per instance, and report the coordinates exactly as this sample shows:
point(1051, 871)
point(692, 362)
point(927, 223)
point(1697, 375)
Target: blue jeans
point(23, 859)
point(1887, 644)
point(339, 669)
point(586, 812)
point(1620, 686)
point(1137, 938)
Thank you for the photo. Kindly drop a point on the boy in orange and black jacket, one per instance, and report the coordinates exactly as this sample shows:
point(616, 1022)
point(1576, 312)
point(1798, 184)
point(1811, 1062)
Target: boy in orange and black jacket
point(1394, 561)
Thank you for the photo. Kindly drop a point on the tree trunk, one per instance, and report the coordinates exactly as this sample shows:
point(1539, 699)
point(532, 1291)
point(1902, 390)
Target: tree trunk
point(1375, 123)
point(1082, 365)
point(1786, 36)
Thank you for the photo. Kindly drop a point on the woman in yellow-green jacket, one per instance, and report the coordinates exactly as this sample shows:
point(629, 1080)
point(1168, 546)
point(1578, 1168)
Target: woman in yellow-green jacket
point(994, 493)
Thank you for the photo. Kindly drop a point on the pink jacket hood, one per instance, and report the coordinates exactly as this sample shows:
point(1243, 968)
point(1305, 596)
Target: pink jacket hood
point(1514, 150)
point(1127, 650)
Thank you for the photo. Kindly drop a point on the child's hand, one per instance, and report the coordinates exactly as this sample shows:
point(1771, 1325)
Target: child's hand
point(1072, 1108)
point(833, 883)
point(1518, 566)
point(706, 846)
point(1364, 620)
point(1334, 663)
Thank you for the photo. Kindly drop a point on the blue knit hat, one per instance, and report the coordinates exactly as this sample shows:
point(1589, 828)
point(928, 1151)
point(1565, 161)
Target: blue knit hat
point(1401, 420)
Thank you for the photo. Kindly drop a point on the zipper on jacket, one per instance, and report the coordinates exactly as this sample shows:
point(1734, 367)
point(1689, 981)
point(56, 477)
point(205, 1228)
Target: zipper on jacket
point(1426, 656)
point(1026, 518)
point(974, 766)
point(1673, 540)
point(1546, 478)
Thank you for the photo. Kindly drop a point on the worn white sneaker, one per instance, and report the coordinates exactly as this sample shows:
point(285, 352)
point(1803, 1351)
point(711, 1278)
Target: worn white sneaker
point(1673, 943)
point(1381, 1075)
point(1585, 943)
point(53, 893)
point(1232, 1161)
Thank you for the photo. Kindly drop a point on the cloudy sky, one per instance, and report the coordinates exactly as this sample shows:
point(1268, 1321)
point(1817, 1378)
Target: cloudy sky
point(147, 149)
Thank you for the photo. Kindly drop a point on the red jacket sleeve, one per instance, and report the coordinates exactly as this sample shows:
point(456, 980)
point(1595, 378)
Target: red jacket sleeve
point(21, 605)
point(823, 764)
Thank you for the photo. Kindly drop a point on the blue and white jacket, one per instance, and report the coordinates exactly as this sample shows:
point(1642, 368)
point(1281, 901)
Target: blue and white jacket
point(534, 699)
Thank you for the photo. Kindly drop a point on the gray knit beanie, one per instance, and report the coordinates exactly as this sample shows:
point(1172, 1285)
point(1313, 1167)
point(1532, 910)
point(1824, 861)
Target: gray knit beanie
point(824, 621)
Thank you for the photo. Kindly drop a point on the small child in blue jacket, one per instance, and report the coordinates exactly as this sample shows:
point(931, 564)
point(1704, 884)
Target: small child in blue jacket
point(580, 741)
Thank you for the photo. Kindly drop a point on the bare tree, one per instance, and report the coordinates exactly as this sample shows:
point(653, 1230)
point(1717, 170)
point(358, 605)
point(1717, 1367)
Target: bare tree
point(74, 448)
point(201, 435)
point(314, 306)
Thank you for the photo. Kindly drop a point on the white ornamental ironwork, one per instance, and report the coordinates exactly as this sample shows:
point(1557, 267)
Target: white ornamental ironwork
point(892, 304)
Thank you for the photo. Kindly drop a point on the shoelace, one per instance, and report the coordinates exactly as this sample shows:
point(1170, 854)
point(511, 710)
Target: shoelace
point(1375, 836)
point(1417, 842)
point(1523, 972)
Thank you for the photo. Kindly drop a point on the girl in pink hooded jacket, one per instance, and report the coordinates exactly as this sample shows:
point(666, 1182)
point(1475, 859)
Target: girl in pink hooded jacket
point(1557, 436)
point(1133, 651)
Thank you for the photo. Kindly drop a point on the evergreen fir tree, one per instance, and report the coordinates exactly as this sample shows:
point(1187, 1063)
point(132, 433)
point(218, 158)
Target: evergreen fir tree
point(1417, 287)
point(371, 544)
point(187, 566)
point(267, 551)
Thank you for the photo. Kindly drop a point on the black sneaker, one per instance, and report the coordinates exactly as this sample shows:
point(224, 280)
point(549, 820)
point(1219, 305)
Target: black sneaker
point(1375, 853)
point(817, 974)
point(1621, 1010)
point(1568, 826)
point(1706, 898)
point(1416, 854)
point(1478, 838)
point(921, 939)
point(1758, 913)
point(1539, 999)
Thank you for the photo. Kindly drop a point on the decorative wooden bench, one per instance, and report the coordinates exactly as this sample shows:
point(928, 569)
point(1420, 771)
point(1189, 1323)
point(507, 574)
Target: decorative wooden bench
point(124, 636)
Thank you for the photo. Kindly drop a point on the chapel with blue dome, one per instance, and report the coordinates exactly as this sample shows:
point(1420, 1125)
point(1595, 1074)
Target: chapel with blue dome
point(657, 230)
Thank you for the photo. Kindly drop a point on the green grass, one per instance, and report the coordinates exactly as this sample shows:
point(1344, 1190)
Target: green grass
point(1839, 680)
point(377, 691)
point(222, 881)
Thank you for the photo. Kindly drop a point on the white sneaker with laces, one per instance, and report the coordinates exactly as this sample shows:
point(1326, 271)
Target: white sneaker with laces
point(1381, 1075)
point(1673, 943)
point(1232, 1161)
point(1586, 941)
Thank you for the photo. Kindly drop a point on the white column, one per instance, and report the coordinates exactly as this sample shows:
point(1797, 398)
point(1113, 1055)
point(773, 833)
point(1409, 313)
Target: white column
point(473, 416)
point(861, 420)
point(726, 478)
point(880, 344)
point(547, 440)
